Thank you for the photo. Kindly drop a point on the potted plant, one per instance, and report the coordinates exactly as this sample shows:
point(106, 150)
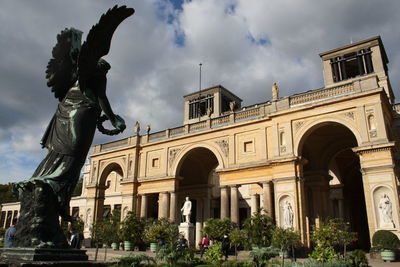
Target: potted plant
point(160, 231)
point(131, 231)
point(387, 242)
point(284, 239)
point(154, 233)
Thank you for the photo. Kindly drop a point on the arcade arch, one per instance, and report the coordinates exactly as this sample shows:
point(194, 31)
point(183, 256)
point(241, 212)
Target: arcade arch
point(333, 181)
point(108, 188)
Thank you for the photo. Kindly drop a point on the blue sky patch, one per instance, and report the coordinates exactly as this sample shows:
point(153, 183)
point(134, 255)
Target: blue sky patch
point(263, 41)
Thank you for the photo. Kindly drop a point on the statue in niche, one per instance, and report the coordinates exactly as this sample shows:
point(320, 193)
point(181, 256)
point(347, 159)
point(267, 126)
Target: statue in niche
point(287, 215)
point(187, 209)
point(77, 77)
point(386, 216)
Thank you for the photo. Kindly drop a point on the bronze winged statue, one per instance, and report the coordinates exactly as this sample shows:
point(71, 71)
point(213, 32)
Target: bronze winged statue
point(77, 77)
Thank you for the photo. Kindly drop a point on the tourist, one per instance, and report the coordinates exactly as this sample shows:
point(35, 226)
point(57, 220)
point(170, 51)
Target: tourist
point(182, 243)
point(226, 244)
point(9, 235)
point(75, 241)
point(205, 242)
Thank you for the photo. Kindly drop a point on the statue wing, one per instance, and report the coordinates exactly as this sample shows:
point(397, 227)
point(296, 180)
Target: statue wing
point(61, 72)
point(98, 41)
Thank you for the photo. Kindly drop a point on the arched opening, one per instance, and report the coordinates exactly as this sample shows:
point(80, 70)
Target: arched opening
point(198, 180)
point(108, 191)
point(333, 181)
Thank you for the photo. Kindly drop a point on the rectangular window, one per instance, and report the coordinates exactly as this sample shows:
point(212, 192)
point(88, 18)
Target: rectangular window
point(199, 106)
point(352, 65)
point(248, 146)
point(2, 219)
point(106, 211)
point(8, 220)
point(155, 163)
point(75, 212)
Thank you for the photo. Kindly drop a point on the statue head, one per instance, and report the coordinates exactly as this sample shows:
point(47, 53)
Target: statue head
point(187, 198)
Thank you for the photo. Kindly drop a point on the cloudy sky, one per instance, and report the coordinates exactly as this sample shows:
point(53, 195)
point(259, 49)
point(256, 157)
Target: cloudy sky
point(244, 45)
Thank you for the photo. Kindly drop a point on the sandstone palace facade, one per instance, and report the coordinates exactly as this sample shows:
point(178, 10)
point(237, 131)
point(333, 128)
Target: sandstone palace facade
point(327, 153)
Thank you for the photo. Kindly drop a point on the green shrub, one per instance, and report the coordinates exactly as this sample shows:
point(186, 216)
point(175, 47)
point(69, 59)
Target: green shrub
point(384, 239)
point(170, 253)
point(357, 258)
point(237, 263)
point(259, 229)
point(333, 232)
point(217, 228)
point(314, 263)
point(134, 261)
point(323, 254)
point(261, 255)
point(214, 254)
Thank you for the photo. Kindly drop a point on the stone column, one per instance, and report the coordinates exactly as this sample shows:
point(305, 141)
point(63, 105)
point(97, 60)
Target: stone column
point(172, 207)
point(254, 202)
point(163, 205)
point(206, 209)
point(268, 199)
point(224, 202)
point(340, 207)
point(234, 204)
point(199, 222)
point(143, 207)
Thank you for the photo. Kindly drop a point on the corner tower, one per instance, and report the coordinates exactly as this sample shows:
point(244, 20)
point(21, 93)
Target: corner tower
point(361, 60)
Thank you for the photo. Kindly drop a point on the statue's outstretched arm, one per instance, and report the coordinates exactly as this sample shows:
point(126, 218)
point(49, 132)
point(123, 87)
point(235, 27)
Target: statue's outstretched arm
point(115, 120)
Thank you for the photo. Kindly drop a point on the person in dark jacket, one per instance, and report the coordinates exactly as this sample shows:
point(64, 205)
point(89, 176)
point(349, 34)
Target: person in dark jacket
point(226, 244)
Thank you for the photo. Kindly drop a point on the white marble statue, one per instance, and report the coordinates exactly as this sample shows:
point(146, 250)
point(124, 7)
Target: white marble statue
point(287, 215)
point(187, 210)
point(385, 207)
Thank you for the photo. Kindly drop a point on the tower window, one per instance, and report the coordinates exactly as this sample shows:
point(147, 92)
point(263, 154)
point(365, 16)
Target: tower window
point(198, 107)
point(352, 65)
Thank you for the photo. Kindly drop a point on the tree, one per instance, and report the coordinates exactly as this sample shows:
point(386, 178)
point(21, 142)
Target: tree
point(259, 229)
point(238, 238)
point(334, 232)
point(217, 228)
point(6, 194)
point(284, 239)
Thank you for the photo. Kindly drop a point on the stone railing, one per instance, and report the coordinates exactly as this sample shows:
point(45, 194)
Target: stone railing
point(321, 94)
point(177, 131)
point(247, 113)
point(220, 121)
point(157, 135)
point(197, 126)
point(113, 145)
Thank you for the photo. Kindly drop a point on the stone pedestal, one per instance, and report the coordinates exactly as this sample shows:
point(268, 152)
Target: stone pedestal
point(187, 230)
point(43, 254)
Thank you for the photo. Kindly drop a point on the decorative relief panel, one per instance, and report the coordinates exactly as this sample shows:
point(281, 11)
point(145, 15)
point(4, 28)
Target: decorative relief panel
point(224, 146)
point(298, 125)
point(172, 156)
point(349, 115)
